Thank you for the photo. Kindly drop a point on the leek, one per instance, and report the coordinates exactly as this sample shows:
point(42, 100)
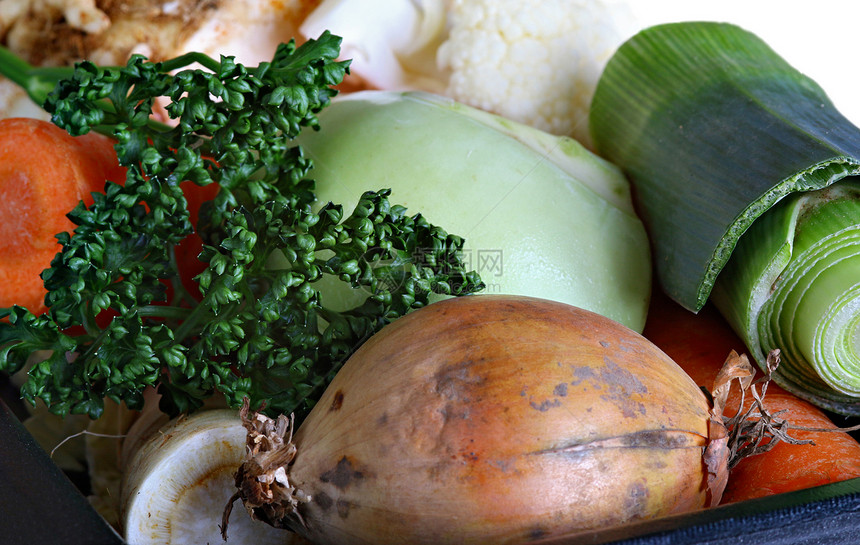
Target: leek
point(742, 172)
point(541, 215)
point(792, 285)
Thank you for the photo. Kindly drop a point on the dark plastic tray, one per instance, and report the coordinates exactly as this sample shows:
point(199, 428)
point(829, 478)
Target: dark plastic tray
point(39, 505)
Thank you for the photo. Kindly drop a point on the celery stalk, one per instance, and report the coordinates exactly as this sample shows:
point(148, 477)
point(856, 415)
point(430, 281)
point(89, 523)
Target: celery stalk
point(729, 150)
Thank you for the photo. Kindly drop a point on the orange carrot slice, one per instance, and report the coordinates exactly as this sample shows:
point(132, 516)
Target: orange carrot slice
point(44, 174)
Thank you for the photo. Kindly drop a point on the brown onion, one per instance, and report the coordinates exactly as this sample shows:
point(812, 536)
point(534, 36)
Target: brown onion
point(489, 419)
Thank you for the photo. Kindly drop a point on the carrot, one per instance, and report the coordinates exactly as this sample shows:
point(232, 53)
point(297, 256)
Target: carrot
point(44, 174)
point(189, 248)
point(700, 343)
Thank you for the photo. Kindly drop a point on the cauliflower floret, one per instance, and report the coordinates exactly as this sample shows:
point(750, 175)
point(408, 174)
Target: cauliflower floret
point(536, 62)
point(533, 61)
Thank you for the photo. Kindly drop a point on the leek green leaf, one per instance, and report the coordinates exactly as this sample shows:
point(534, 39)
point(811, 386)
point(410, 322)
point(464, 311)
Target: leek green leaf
point(742, 170)
point(713, 127)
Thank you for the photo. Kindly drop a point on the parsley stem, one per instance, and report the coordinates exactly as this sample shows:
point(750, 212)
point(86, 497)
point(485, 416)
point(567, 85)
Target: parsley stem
point(37, 82)
point(189, 58)
point(192, 320)
point(164, 311)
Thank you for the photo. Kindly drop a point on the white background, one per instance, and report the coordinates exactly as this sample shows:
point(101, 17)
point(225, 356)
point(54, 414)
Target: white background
point(818, 37)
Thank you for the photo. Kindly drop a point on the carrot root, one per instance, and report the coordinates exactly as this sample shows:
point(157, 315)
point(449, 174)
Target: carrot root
point(44, 174)
point(700, 343)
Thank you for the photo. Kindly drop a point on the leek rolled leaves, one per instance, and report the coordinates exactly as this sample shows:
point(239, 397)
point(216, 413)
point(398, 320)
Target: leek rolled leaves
point(793, 284)
point(540, 214)
point(743, 174)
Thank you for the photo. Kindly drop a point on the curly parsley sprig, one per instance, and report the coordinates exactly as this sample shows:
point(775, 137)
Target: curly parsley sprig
point(261, 326)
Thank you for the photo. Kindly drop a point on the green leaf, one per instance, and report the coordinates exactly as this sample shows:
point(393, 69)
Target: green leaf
point(257, 327)
point(730, 150)
point(713, 127)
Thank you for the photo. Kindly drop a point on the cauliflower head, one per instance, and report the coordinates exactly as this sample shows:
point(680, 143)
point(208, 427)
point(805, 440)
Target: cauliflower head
point(533, 61)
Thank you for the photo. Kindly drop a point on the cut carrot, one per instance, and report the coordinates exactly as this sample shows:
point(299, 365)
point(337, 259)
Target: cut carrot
point(44, 174)
point(832, 458)
point(189, 248)
point(101, 150)
point(700, 343)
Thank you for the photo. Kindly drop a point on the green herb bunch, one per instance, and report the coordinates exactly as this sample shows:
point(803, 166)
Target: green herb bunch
point(120, 319)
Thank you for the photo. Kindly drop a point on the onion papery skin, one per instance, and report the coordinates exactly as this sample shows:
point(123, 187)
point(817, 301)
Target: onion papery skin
point(499, 419)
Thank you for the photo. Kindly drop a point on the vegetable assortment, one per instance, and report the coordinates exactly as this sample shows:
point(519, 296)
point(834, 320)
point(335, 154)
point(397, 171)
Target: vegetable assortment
point(209, 267)
point(742, 169)
point(259, 329)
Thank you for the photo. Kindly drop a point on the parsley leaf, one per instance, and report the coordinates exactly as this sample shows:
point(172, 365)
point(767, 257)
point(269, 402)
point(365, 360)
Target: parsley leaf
point(120, 319)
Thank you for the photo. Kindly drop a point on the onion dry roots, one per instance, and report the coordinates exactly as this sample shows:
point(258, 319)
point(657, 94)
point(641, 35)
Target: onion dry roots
point(489, 419)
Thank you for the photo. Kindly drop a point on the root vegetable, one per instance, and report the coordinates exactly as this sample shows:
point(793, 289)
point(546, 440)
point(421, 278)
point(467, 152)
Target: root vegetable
point(44, 173)
point(699, 343)
point(529, 204)
point(175, 485)
point(489, 419)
